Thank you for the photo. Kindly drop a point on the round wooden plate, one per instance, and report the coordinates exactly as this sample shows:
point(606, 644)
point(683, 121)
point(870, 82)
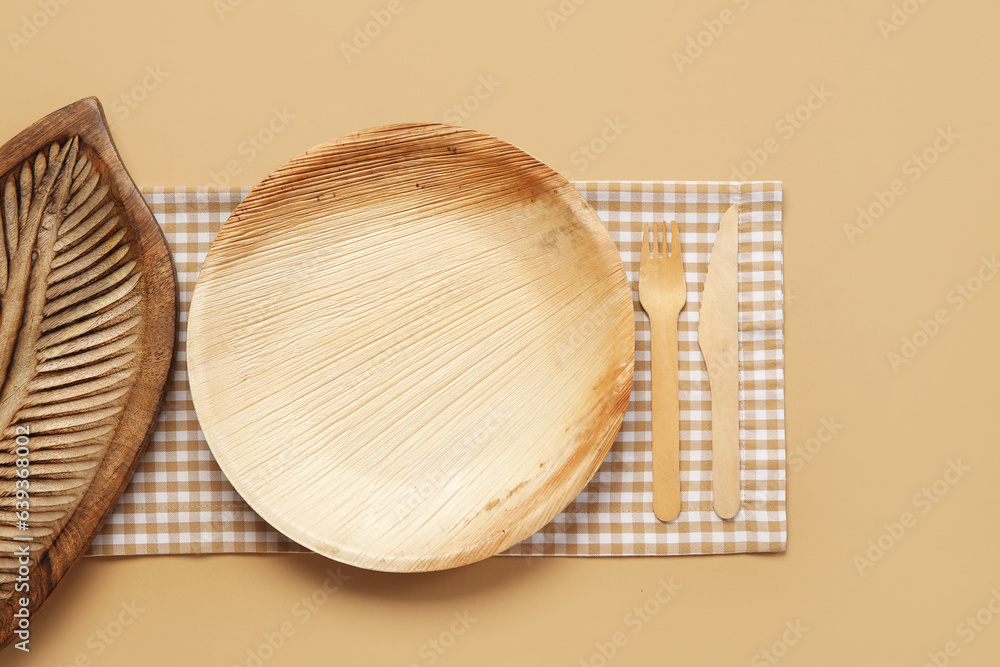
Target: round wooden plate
point(410, 348)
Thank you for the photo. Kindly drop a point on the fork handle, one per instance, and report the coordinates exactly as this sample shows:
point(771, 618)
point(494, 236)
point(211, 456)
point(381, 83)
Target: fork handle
point(666, 418)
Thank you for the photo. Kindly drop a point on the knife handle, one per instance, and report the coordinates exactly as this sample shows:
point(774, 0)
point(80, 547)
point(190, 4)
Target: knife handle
point(666, 418)
point(725, 386)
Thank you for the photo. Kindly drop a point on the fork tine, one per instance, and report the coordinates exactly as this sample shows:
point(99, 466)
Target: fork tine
point(675, 241)
point(645, 242)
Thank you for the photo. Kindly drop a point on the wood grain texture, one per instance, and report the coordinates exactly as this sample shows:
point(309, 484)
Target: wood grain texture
point(663, 293)
point(87, 318)
point(411, 347)
point(718, 338)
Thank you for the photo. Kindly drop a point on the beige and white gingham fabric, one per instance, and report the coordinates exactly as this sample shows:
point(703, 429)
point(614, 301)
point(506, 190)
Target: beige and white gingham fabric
point(179, 502)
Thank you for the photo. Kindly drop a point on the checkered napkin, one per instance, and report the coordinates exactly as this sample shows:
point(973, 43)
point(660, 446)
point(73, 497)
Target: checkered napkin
point(179, 502)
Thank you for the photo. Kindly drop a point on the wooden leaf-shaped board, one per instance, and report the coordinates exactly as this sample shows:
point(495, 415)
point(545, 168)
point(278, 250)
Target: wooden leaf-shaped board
point(87, 322)
point(412, 347)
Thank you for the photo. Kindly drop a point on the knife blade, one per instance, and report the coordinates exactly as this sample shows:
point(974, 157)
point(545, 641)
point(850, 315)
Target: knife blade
point(717, 337)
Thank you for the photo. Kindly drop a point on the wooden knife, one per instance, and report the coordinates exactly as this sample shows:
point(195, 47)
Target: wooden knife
point(717, 336)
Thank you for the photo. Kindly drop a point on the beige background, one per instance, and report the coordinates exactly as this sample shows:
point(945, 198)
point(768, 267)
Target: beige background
point(849, 306)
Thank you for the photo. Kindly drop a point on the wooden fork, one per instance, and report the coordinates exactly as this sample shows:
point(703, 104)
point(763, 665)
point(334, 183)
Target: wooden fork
point(662, 293)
